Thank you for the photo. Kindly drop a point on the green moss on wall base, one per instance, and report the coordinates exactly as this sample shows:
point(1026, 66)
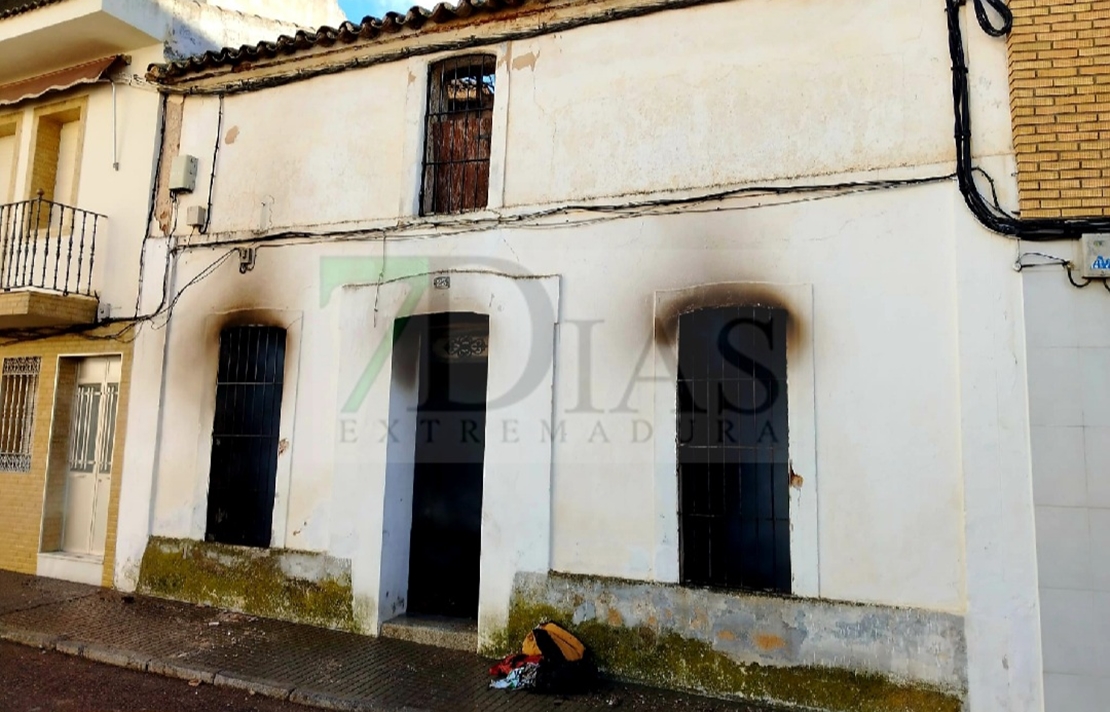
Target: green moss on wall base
point(672, 661)
point(303, 587)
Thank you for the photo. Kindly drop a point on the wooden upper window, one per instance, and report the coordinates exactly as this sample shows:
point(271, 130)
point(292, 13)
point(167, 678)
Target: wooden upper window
point(457, 135)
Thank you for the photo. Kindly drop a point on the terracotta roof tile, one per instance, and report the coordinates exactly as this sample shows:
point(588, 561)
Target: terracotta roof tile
point(370, 29)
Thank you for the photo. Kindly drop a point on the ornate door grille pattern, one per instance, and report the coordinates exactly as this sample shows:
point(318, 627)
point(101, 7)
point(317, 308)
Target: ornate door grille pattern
point(242, 476)
point(18, 388)
point(733, 459)
point(88, 443)
point(457, 135)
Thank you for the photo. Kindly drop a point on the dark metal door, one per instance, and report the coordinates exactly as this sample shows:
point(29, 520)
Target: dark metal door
point(445, 546)
point(733, 455)
point(245, 435)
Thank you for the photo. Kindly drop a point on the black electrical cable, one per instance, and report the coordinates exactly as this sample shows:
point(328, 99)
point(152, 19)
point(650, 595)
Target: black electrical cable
point(212, 179)
point(1004, 12)
point(1033, 229)
point(153, 200)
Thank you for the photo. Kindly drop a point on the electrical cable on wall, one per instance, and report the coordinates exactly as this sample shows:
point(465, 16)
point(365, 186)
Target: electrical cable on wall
point(212, 177)
point(129, 326)
point(992, 216)
point(153, 200)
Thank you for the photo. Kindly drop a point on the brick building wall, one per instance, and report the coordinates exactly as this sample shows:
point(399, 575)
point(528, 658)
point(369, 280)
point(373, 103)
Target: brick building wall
point(22, 493)
point(1060, 99)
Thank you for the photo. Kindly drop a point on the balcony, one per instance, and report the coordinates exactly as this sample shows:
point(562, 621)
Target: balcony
point(47, 252)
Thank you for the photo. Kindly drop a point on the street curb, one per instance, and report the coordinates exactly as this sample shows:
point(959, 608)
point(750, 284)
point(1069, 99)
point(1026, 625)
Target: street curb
point(180, 671)
point(69, 647)
point(328, 701)
point(30, 638)
point(115, 656)
point(267, 688)
point(324, 700)
point(120, 657)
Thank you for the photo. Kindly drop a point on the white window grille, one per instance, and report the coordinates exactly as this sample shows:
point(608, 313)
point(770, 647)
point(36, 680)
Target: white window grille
point(90, 444)
point(111, 400)
point(18, 387)
point(82, 436)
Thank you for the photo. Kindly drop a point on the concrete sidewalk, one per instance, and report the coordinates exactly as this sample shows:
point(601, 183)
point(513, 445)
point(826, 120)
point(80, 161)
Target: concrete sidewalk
point(303, 664)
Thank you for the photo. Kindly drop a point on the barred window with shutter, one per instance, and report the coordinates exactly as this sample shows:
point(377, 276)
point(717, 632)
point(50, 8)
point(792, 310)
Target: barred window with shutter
point(457, 135)
point(18, 387)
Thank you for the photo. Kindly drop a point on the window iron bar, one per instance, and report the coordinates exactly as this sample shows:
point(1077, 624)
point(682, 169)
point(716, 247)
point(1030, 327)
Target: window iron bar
point(733, 491)
point(18, 390)
point(459, 119)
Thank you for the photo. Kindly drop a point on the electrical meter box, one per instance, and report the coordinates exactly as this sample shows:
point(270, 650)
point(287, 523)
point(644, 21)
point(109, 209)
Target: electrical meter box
point(196, 215)
point(1094, 256)
point(183, 174)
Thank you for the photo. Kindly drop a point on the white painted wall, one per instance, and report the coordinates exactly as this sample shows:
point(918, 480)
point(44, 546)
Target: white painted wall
point(915, 459)
point(1068, 334)
point(891, 333)
point(675, 99)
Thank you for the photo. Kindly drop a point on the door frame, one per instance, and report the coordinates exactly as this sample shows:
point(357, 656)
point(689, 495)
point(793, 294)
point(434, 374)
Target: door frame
point(207, 360)
point(416, 360)
point(797, 300)
point(373, 477)
point(55, 563)
point(95, 473)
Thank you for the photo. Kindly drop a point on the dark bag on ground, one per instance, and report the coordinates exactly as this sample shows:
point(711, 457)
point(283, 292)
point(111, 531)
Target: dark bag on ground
point(565, 667)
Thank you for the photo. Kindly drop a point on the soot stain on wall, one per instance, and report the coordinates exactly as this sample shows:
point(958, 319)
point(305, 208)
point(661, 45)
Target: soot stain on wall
point(728, 294)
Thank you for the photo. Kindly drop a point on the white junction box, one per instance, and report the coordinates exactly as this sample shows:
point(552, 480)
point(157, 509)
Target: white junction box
point(1094, 257)
point(183, 174)
point(196, 215)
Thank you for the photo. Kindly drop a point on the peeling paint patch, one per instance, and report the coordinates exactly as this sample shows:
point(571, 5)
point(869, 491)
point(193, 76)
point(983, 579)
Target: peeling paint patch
point(768, 642)
point(171, 145)
point(526, 61)
point(232, 134)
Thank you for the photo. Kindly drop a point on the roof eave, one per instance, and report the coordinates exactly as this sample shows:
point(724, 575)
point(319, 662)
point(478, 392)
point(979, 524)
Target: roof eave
point(419, 32)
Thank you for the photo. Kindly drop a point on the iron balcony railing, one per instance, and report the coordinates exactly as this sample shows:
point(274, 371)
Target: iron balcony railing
point(47, 245)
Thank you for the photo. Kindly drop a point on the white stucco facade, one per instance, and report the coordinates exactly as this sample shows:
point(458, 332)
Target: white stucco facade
point(909, 432)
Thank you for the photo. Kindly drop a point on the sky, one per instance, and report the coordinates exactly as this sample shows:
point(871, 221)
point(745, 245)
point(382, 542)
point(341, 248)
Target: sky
point(358, 9)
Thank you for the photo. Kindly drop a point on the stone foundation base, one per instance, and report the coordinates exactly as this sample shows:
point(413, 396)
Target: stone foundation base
point(825, 655)
point(299, 586)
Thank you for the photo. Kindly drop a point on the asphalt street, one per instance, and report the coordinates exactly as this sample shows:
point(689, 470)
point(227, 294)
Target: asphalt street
point(34, 680)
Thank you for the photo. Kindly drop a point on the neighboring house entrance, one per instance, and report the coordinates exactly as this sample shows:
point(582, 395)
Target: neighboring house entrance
point(445, 546)
point(243, 472)
point(89, 463)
